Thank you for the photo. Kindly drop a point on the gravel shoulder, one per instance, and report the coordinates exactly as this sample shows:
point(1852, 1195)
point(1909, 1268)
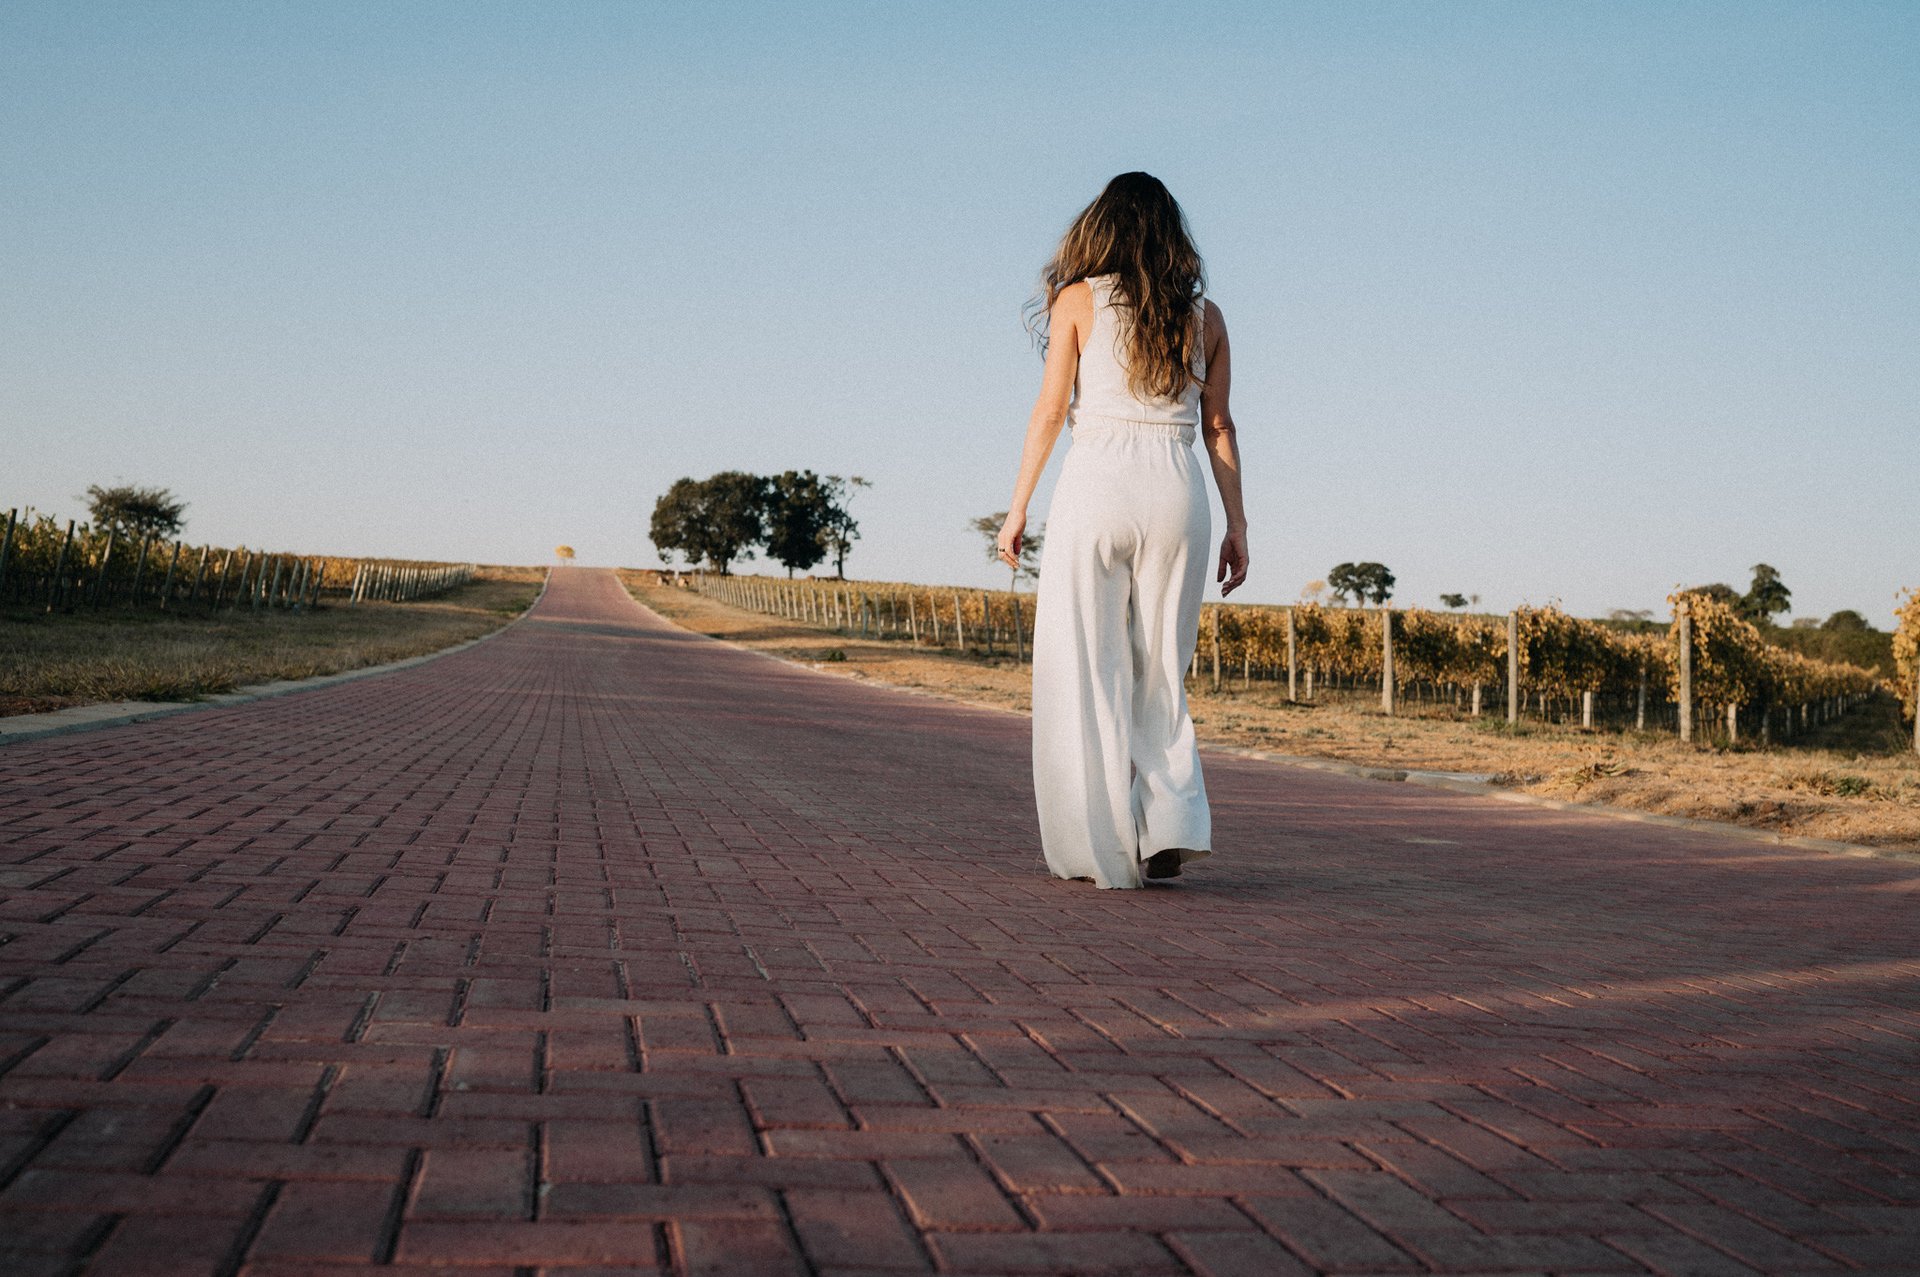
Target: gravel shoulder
point(1847, 784)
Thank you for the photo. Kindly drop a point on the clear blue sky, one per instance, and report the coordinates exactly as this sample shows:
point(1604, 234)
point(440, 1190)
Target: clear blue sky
point(1536, 301)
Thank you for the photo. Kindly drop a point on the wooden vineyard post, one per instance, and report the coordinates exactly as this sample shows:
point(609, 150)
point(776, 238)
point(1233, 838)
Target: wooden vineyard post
point(1216, 649)
point(1386, 660)
point(1733, 722)
point(959, 624)
point(1246, 667)
point(913, 621)
point(1916, 706)
point(1019, 640)
point(226, 567)
point(1685, 620)
point(1476, 698)
point(173, 565)
point(1293, 661)
point(200, 574)
point(1640, 704)
point(986, 623)
point(1586, 709)
point(1513, 668)
point(59, 590)
point(106, 561)
point(140, 571)
point(6, 545)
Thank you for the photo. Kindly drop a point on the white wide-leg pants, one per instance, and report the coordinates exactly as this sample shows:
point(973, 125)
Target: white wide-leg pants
point(1116, 770)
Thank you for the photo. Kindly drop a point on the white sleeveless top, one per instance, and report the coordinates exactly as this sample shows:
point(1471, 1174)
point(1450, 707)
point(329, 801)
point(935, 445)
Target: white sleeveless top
point(1100, 387)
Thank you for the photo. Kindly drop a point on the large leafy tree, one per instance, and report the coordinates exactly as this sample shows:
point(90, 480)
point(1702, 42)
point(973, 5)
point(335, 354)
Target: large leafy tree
point(799, 512)
point(138, 512)
point(842, 530)
point(989, 525)
point(712, 521)
point(1361, 582)
point(1767, 596)
point(677, 508)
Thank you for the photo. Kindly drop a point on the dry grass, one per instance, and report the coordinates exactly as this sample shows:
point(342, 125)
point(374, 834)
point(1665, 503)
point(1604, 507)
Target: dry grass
point(51, 662)
point(1850, 783)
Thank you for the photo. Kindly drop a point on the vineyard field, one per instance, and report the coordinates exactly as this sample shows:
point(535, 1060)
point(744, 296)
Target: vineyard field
point(1845, 779)
point(56, 567)
point(1539, 663)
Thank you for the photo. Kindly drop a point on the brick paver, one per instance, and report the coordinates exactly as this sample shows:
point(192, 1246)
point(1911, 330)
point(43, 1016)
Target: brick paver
point(601, 947)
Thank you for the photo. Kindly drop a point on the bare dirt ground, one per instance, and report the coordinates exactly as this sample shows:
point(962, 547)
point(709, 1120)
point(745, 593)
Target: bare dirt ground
point(53, 662)
point(1848, 782)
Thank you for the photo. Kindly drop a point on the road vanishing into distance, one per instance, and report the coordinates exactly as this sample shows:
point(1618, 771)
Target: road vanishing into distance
point(602, 947)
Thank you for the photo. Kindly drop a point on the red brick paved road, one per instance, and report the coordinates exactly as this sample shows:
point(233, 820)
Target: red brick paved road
point(604, 948)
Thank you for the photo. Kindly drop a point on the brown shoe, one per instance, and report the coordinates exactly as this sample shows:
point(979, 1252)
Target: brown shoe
point(1164, 864)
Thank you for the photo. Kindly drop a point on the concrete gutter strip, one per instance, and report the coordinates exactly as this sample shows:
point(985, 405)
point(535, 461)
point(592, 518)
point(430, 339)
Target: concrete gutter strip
point(90, 718)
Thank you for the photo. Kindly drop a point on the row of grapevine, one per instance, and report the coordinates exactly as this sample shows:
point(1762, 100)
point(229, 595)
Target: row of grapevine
point(1906, 659)
point(46, 566)
point(988, 621)
point(1559, 664)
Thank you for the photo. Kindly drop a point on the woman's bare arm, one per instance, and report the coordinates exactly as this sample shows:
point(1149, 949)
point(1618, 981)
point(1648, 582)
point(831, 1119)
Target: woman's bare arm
point(1223, 451)
point(1068, 324)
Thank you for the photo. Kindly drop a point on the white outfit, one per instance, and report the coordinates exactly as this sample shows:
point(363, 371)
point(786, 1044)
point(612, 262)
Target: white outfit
point(1116, 770)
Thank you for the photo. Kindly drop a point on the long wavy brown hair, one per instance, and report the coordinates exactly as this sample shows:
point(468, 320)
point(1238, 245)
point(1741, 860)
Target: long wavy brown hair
point(1136, 232)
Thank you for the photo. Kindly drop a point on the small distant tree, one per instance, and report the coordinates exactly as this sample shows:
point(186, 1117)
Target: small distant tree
point(1846, 621)
point(1767, 596)
point(564, 553)
point(798, 514)
point(989, 525)
point(1630, 614)
point(137, 512)
point(1453, 600)
point(1361, 582)
point(841, 530)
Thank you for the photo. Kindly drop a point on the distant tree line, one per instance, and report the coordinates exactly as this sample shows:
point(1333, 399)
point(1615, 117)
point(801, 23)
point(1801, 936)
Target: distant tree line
point(798, 518)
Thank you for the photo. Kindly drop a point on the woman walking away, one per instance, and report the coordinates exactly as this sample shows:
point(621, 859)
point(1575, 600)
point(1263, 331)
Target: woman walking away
point(1136, 360)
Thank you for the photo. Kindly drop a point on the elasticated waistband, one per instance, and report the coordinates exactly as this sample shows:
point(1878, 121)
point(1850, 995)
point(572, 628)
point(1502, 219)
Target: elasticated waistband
point(1090, 426)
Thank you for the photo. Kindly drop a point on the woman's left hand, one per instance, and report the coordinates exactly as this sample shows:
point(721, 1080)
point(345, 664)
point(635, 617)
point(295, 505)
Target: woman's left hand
point(1233, 561)
point(1011, 537)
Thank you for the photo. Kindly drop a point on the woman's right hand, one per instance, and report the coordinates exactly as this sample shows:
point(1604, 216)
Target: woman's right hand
point(1233, 562)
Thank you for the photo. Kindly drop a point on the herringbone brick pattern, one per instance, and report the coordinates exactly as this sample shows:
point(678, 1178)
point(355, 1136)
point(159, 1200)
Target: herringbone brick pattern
point(604, 948)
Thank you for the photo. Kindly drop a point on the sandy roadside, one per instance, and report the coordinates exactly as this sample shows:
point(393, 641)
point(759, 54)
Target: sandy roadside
point(1872, 799)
